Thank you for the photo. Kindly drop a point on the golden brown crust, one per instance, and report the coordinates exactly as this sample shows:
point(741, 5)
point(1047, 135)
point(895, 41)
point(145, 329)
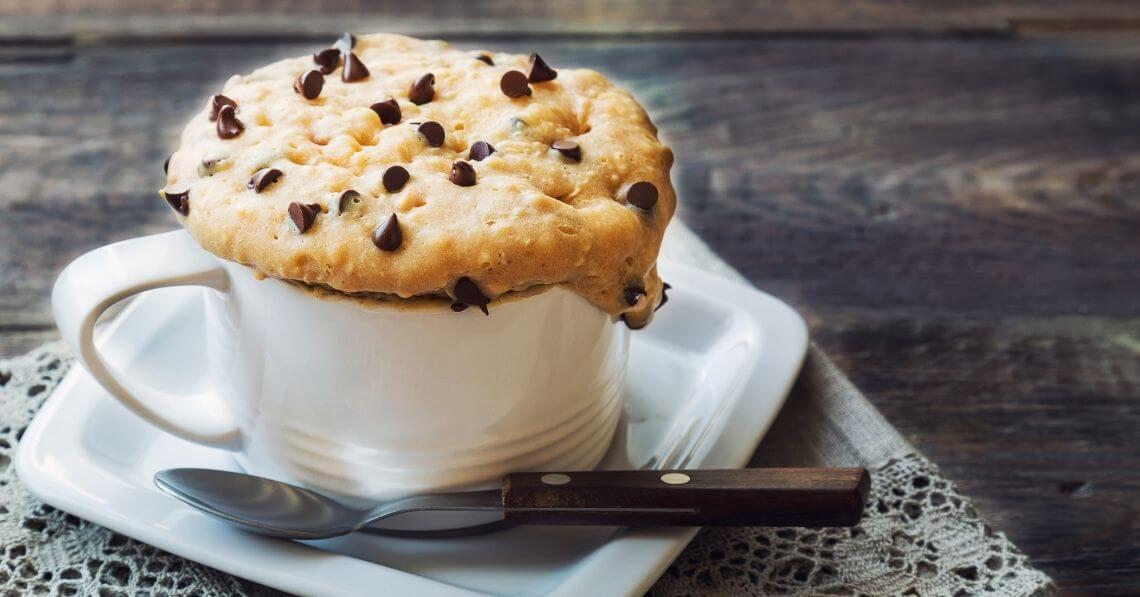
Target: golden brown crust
point(534, 216)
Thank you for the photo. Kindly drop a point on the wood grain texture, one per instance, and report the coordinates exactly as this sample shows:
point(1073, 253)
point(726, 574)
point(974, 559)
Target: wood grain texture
point(974, 177)
point(956, 216)
point(17, 341)
point(784, 497)
point(1035, 418)
point(455, 19)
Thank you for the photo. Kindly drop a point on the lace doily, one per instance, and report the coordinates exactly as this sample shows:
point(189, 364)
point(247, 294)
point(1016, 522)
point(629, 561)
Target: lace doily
point(919, 537)
point(45, 551)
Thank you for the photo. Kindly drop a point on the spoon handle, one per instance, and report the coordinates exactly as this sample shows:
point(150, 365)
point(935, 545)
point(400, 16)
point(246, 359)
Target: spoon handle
point(805, 497)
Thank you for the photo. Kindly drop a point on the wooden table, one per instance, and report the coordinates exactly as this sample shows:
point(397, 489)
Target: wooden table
point(950, 195)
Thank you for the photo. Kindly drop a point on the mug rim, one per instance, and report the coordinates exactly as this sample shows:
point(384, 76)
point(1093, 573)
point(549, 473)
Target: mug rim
point(416, 305)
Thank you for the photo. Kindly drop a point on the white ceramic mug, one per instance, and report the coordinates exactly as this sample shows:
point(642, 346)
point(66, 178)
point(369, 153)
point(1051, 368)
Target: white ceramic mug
point(360, 398)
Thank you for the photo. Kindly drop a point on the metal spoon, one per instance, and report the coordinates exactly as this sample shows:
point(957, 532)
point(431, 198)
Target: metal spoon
point(813, 497)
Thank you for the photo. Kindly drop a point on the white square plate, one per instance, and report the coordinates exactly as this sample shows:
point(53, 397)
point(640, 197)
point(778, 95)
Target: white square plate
point(705, 382)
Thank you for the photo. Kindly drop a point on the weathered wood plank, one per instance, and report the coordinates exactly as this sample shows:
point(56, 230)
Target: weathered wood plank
point(955, 177)
point(460, 18)
point(15, 342)
point(1035, 418)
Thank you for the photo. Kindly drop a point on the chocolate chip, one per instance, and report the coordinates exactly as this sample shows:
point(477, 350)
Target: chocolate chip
point(327, 60)
point(433, 132)
point(467, 293)
point(387, 236)
point(422, 90)
point(166, 165)
point(485, 58)
point(388, 111)
point(263, 178)
point(633, 294)
point(228, 125)
point(480, 151)
point(216, 105)
point(346, 200)
point(642, 194)
point(664, 297)
point(309, 84)
point(345, 44)
point(304, 215)
point(354, 69)
point(568, 148)
point(514, 84)
point(539, 71)
point(179, 201)
point(462, 174)
point(631, 326)
point(457, 307)
point(395, 178)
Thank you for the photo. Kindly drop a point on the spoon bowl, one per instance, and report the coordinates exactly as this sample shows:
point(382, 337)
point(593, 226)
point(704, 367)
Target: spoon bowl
point(258, 504)
point(279, 509)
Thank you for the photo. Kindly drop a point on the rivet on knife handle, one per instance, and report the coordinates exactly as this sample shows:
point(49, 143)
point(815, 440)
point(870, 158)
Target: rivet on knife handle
point(805, 497)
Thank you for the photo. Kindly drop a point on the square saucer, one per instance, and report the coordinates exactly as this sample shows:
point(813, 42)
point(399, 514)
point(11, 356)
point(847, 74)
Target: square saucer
point(705, 382)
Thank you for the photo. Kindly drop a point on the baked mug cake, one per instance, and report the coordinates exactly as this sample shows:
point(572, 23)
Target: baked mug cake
point(425, 264)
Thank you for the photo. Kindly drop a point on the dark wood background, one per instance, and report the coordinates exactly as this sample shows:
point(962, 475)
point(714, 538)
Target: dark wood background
point(949, 191)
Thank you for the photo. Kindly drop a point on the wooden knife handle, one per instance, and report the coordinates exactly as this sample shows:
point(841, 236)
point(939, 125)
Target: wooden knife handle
point(803, 497)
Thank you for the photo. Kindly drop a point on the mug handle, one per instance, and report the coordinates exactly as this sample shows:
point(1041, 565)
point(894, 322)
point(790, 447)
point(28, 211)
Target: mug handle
point(100, 278)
